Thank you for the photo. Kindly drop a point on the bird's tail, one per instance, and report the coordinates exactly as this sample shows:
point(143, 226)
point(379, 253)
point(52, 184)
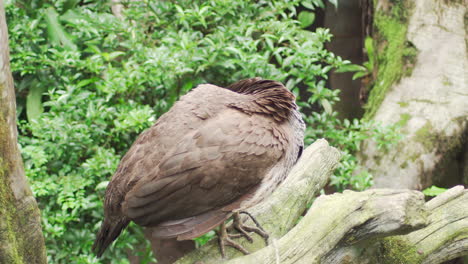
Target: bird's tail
point(109, 231)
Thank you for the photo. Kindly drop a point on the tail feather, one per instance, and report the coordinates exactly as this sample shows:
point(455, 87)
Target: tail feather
point(191, 227)
point(109, 231)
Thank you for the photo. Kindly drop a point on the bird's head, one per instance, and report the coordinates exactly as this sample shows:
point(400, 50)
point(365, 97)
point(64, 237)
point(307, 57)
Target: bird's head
point(267, 97)
point(274, 99)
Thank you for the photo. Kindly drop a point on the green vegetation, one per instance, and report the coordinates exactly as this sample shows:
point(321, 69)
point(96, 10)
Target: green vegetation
point(367, 68)
point(433, 191)
point(403, 104)
point(396, 250)
point(426, 136)
point(395, 55)
point(404, 118)
point(89, 81)
point(7, 209)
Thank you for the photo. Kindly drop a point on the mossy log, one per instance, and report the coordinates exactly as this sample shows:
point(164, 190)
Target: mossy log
point(374, 226)
point(21, 239)
point(437, 231)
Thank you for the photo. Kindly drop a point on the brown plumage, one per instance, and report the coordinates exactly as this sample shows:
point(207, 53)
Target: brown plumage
point(216, 151)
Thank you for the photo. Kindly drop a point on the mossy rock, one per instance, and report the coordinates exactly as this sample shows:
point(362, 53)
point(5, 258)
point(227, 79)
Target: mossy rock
point(396, 56)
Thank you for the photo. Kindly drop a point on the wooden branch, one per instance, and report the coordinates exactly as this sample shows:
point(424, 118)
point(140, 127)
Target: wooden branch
point(356, 228)
point(376, 226)
point(445, 238)
point(280, 212)
point(341, 220)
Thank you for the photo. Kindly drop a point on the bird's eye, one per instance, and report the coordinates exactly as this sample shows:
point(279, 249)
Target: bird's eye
point(299, 154)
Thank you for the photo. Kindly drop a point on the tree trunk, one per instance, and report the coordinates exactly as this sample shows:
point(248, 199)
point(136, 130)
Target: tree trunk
point(421, 85)
point(21, 239)
point(377, 226)
point(344, 23)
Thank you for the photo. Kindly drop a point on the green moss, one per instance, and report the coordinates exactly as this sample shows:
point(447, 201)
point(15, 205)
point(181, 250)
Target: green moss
point(450, 146)
point(8, 254)
point(396, 56)
point(425, 135)
point(404, 118)
point(8, 251)
point(414, 157)
point(404, 165)
point(397, 251)
point(430, 139)
point(424, 101)
point(446, 81)
point(403, 104)
point(453, 1)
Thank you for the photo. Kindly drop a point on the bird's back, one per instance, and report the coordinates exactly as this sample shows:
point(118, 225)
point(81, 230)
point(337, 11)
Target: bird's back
point(201, 159)
point(144, 155)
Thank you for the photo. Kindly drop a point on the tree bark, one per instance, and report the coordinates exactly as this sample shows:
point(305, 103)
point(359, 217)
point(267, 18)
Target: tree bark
point(21, 239)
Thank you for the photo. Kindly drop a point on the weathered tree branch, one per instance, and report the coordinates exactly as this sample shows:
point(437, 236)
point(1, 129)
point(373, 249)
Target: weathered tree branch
point(446, 236)
point(341, 220)
point(375, 226)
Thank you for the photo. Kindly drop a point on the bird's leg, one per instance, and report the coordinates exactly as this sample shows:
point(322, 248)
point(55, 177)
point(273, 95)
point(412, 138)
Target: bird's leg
point(225, 240)
point(244, 229)
point(259, 229)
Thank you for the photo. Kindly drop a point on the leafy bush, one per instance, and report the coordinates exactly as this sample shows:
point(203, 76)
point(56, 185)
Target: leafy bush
point(89, 81)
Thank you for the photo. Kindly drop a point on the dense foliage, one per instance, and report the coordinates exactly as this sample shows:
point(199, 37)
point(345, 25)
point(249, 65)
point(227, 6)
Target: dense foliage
point(89, 80)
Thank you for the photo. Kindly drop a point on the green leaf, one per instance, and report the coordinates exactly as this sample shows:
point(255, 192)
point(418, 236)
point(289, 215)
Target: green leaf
point(308, 4)
point(288, 61)
point(270, 43)
point(351, 68)
point(69, 4)
point(34, 102)
point(433, 191)
point(57, 35)
point(327, 106)
point(306, 18)
point(360, 74)
point(319, 3)
point(369, 46)
point(346, 123)
point(102, 185)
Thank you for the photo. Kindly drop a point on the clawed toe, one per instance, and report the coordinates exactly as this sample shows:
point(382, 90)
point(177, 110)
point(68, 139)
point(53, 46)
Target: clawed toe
point(238, 224)
point(226, 239)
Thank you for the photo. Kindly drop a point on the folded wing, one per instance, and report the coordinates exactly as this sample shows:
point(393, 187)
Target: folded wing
point(210, 168)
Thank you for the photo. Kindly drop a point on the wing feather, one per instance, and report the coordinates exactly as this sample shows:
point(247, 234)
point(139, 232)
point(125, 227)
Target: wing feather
point(210, 168)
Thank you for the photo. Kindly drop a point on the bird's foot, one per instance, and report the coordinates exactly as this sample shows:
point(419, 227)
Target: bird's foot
point(244, 229)
point(225, 239)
